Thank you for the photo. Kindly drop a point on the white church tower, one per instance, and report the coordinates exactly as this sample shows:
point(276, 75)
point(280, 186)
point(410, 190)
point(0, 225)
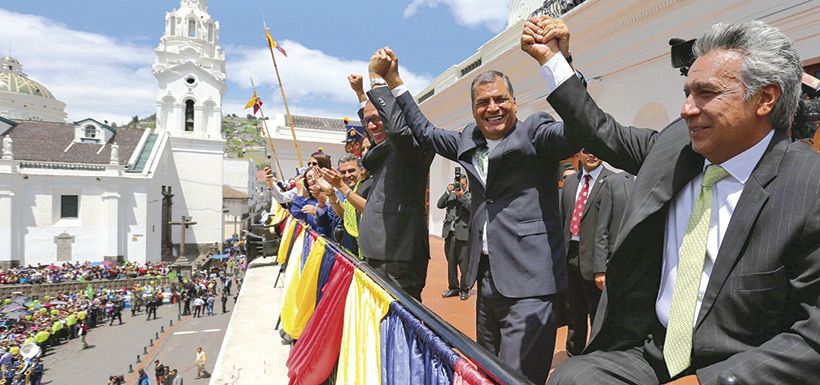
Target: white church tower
point(190, 69)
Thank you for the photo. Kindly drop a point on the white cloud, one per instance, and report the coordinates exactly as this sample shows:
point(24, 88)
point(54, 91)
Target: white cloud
point(95, 75)
point(107, 78)
point(313, 80)
point(491, 14)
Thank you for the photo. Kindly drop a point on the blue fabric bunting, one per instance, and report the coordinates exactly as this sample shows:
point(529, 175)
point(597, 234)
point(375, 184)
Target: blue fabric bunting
point(328, 259)
point(411, 353)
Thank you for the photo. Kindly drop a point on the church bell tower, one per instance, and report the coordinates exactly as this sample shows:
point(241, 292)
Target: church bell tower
point(190, 71)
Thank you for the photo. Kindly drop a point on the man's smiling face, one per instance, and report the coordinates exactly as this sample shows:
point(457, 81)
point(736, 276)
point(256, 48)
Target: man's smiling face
point(494, 109)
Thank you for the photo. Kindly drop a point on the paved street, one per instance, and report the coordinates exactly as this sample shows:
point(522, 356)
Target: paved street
point(115, 347)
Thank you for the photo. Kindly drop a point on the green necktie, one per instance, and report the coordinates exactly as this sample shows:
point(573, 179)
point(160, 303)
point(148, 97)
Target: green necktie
point(481, 154)
point(677, 349)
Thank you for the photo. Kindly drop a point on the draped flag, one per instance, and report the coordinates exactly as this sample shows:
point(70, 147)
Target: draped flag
point(312, 359)
point(366, 305)
point(293, 265)
point(287, 240)
point(255, 102)
point(412, 353)
point(272, 43)
point(301, 303)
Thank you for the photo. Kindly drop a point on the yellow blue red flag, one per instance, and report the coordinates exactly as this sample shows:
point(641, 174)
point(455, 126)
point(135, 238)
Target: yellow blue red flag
point(272, 43)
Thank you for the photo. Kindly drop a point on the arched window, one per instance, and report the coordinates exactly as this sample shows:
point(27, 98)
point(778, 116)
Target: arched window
point(172, 30)
point(191, 27)
point(90, 131)
point(189, 115)
point(211, 32)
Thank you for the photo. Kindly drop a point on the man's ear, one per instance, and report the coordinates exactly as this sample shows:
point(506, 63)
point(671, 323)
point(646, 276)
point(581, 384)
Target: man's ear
point(768, 96)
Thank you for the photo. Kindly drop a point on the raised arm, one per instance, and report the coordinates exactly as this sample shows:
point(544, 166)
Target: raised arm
point(402, 108)
point(622, 146)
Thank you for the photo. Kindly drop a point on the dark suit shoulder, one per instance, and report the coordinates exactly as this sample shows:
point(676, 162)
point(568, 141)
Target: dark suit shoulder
point(538, 120)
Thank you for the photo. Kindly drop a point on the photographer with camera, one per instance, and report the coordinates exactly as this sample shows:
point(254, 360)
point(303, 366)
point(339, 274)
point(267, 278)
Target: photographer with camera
point(456, 231)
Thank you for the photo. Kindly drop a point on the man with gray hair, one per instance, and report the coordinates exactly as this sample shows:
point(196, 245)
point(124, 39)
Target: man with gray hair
point(715, 274)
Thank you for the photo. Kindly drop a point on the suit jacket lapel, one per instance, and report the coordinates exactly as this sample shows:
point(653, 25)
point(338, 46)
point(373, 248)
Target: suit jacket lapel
point(752, 199)
point(595, 188)
point(669, 172)
point(471, 138)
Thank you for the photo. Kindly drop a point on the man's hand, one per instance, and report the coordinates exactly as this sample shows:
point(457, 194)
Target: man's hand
point(540, 38)
point(379, 64)
point(459, 193)
point(392, 77)
point(600, 280)
point(309, 209)
point(327, 189)
point(333, 177)
point(685, 380)
point(357, 84)
point(450, 188)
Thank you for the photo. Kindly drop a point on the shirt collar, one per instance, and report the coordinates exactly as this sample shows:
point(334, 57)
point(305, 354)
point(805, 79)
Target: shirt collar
point(741, 165)
point(595, 172)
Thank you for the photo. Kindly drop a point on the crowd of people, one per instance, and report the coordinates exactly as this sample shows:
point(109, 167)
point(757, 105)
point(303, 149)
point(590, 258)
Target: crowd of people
point(29, 326)
point(699, 262)
point(85, 271)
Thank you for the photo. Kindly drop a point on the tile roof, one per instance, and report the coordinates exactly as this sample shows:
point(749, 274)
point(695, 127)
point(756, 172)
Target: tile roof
point(317, 123)
point(47, 142)
point(229, 192)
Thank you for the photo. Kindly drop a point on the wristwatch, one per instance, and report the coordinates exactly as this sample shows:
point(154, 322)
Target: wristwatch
point(377, 82)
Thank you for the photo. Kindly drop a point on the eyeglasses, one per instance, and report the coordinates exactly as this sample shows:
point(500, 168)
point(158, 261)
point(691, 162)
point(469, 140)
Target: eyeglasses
point(311, 164)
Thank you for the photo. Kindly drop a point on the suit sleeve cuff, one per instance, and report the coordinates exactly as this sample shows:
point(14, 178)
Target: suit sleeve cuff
point(555, 72)
point(399, 90)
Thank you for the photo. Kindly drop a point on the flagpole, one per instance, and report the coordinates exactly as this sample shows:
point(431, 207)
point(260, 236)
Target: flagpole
point(284, 99)
point(267, 134)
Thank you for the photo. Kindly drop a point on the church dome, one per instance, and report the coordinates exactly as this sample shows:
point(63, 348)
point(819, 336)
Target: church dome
point(24, 99)
point(12, 79)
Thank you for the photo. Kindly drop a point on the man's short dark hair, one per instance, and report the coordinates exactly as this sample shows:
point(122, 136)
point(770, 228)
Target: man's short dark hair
point(490, 77)
point(349, 158)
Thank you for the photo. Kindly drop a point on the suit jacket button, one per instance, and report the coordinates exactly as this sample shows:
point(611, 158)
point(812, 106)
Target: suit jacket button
point(489, 201)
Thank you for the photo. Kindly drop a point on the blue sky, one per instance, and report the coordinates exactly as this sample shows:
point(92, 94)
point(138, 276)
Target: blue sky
point(96, 55)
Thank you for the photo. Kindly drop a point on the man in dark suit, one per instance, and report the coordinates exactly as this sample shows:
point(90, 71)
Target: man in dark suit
point(580, 202)
point(455, 231)
point(515, 242)
point(716, 269)
point(393, 234)
point(614, 195)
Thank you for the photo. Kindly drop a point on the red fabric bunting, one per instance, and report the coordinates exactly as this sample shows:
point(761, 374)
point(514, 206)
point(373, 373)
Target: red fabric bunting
point(465, 374)
point(315, 354)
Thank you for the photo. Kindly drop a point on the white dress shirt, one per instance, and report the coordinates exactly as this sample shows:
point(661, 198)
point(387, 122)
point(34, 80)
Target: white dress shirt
point(725, 195)
point(594, 176)
point(283, 197)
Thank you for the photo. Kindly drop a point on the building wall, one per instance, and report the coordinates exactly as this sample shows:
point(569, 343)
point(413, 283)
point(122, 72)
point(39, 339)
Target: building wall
point(198, 168)
point(622, 48)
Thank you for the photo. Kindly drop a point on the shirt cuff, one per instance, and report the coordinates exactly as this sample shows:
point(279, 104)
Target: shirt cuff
point(555, 72)
point(399, 90)
point(362, 104)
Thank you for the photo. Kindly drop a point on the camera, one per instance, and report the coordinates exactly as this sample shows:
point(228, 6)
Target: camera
point(457, 182)
point(682, 56)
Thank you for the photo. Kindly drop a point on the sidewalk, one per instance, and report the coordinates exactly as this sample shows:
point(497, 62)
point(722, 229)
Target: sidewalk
point(251, 352)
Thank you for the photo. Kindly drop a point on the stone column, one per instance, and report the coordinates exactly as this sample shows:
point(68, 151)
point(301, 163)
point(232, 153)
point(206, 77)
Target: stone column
point(7, 242)
point(111, 234)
